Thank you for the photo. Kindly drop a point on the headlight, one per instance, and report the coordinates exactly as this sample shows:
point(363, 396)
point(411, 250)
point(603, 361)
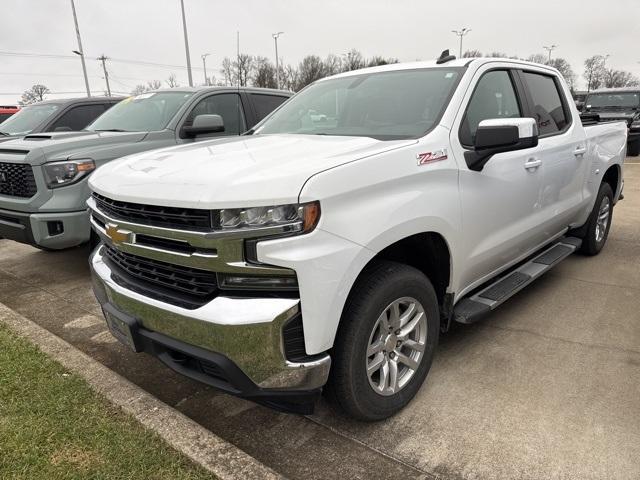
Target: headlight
point(59, 174)
point(298, 218)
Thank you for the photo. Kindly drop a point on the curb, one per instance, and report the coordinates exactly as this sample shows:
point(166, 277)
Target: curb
point(218, 456)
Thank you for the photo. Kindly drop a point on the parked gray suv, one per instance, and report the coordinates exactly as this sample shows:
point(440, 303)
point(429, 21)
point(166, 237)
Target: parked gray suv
point(68, 115)
point(43, 177)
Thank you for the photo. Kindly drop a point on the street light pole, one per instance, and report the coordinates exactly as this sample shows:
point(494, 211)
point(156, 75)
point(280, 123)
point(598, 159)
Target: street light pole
point(275, 39)
point(204, 65)
point(80, 52)
point(461, 34)
point(103, 59)
point(186, 44)
point(550, 49)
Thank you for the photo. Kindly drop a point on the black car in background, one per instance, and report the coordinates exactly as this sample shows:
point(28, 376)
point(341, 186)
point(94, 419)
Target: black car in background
point(65, 115)
point(618, 104)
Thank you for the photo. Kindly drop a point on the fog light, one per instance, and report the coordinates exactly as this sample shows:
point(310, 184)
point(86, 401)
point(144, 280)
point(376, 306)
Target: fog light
point(248, 282)
point(55, 228)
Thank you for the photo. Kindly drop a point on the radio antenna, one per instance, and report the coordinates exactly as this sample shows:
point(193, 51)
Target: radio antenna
point(238, 99)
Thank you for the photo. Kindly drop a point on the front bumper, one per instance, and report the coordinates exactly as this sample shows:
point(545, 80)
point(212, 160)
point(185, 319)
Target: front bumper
point(34, 228)
point(232, 344)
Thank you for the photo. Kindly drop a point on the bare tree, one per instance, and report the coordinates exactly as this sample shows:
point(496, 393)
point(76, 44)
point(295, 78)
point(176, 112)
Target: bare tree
point(172, 81)
point(289, 77)
point(228, 72)
point(34, 95)
point(353, 61)
point(594, 72)
point(498, 55)
point(154, 85)
point(332, 64)
point(621, 78)
point(311, 69)
point(472, 54)
point(564, 67)
point(244, 66)
point(265, 73)
point(540, 58)
point(378, 60)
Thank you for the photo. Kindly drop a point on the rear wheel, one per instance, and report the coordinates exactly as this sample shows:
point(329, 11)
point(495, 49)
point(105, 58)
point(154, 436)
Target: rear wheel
point(385, 345)
point(599, 223)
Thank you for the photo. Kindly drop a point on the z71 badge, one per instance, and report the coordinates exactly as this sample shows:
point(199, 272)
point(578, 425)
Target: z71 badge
point(430, 157)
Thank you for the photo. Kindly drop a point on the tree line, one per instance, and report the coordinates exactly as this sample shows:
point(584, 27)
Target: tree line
point(248, 70)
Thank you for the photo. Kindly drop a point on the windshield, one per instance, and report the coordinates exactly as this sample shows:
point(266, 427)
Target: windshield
point(386, 105)
point(28, 119)
point(625, 100)
point(143, 113)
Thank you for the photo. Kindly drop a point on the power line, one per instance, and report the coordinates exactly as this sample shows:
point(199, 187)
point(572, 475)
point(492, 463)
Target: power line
point(119, 60)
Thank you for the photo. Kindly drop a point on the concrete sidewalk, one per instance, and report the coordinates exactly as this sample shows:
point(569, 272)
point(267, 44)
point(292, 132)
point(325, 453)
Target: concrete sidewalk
point(547, 387)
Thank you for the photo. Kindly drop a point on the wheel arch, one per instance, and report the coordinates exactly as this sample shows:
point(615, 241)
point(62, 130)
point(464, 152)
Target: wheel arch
point(613, 177)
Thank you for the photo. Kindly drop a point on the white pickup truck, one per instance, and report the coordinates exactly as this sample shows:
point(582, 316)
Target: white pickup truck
point(332, 245)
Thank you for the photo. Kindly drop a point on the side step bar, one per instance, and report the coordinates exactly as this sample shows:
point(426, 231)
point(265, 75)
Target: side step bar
point(473, 308)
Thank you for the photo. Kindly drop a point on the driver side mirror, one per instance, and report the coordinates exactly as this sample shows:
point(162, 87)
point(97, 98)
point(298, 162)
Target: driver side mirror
point(498, 136)
point(204, 124)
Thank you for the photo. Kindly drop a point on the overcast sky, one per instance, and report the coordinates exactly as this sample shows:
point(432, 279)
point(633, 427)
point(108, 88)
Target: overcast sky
point(151, 31)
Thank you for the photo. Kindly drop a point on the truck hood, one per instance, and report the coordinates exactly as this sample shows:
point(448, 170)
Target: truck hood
point(41, 148)
point(258, 170)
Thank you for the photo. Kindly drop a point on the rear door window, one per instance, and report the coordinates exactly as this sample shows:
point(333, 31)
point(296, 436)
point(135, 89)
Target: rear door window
point(548, 108)
point(265, 104)
point(493, 97)
point(77, 118)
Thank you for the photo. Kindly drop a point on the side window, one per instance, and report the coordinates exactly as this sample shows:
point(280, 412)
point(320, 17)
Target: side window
point(265, 104)
point(548, 109)
point(494, 97)
point(228, 106)
point(78, 117)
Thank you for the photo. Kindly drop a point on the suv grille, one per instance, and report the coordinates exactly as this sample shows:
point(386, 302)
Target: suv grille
point(168, 217)
point(17, 180)
point(181, 286)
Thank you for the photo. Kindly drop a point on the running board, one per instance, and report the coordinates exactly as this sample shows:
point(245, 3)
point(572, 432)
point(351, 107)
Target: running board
point(473, 308)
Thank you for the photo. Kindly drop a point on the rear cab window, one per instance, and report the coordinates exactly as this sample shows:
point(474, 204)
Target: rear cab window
point(78, 117)
point(265, 104)
point(548, 108)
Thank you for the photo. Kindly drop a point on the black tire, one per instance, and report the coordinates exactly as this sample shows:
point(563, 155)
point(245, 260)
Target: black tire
point(633, 148)
point(349, 386)
point(593, 241)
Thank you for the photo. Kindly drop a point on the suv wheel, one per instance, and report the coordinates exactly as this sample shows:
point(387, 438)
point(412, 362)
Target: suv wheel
point(385, 345)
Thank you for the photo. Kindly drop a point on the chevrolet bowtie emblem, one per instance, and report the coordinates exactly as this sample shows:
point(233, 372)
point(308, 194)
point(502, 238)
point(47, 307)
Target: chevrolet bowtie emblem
point(116, 235)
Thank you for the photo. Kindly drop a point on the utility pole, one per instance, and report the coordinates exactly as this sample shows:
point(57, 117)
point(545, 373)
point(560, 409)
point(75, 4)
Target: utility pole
point(204, 65)
point(80, 52)
point(238, 55)
point(461, 34)
point(186, 44)
point(275, 39)
point(103, 59)
point(550, 49)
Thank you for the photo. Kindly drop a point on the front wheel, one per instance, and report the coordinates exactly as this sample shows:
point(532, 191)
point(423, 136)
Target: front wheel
point(599, 223)
point(385, 345)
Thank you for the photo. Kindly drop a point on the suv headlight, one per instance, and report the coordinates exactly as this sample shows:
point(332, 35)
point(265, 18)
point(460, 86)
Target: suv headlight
point(60, 174)
point(292, 218)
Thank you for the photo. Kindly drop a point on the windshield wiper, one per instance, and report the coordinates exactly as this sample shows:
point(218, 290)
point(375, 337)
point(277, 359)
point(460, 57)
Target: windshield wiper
point(5, 134)
point(110, 130)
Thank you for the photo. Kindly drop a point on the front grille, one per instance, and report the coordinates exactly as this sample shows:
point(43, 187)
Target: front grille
point(182, 286)
point(17, 180)
point(155, 215)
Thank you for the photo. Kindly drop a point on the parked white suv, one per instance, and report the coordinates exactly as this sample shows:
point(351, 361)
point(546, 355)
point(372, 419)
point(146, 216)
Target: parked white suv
point(350, 228)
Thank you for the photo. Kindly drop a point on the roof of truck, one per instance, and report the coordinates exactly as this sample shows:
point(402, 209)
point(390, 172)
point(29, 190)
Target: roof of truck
point(213, 89)
point(617, 90)
point(69, 101)
point(457, 63)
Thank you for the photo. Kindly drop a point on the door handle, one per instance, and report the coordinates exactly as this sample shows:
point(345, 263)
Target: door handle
point(580, 151)
point(532, 163)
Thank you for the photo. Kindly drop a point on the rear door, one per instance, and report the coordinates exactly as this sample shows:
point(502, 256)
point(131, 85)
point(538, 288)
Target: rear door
point(500, 203)
point(264, 104)
point(561, 148)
